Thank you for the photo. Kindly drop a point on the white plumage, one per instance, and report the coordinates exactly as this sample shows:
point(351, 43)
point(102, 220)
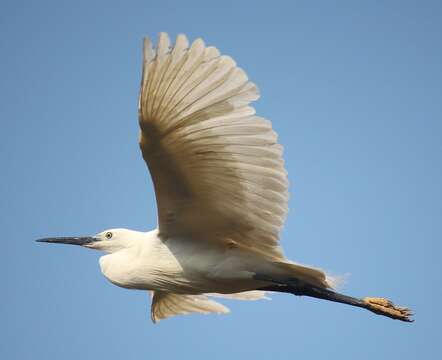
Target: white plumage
point(221, 190)
point(217, 167)
point(214, 164)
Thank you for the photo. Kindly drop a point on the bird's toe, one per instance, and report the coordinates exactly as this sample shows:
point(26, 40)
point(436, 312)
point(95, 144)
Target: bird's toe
point(382, 306)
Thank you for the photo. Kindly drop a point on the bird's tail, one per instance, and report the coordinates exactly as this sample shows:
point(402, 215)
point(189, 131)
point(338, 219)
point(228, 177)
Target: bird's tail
point(307, 274)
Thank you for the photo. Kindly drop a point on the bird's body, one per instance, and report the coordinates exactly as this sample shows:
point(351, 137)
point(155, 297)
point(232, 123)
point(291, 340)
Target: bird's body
point(150, 263)
point(189, 269)
point(221, 189)
point(184, 266)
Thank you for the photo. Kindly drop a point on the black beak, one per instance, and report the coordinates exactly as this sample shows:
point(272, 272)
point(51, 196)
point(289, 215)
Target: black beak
point(83, 240)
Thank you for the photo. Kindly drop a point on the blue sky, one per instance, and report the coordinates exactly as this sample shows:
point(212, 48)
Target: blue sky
point(352, 87)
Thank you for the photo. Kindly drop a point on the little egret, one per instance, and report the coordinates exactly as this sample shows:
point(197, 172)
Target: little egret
point(221, 190)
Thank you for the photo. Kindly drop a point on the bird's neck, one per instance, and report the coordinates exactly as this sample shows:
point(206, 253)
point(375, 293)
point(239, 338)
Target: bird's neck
point(132, 240)
point(133, 266)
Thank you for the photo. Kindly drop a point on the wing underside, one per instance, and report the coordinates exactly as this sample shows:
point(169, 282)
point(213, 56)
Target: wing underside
point(165, 305)
point(217, 168)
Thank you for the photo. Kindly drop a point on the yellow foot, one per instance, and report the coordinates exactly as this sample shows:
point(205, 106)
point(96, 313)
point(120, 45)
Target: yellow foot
point(385, 307)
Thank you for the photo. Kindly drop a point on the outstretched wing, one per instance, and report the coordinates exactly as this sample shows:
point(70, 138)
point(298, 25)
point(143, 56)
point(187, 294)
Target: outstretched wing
point(166, 304)
point(217, 168)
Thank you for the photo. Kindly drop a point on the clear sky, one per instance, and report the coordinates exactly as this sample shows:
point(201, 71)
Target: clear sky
point(354, 88)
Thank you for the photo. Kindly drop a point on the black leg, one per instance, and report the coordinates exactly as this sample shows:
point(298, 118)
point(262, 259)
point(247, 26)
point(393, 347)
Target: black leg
point(379, 306)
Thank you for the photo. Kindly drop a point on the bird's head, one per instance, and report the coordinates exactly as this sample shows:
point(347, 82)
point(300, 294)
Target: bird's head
point(108, 241)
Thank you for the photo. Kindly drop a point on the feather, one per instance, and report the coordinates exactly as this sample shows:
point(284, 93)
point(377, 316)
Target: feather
point(217, 168)
point(166, 304)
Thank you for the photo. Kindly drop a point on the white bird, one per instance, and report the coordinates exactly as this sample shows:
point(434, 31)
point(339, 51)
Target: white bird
point(221, 190)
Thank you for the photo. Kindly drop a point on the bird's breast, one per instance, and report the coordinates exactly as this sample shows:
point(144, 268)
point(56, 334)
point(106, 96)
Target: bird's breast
point(118, 271)
point(145, 268)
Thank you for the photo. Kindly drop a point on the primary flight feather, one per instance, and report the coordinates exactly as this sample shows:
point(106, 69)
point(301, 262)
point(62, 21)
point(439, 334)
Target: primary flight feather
point(217, 168)
point(221, 190)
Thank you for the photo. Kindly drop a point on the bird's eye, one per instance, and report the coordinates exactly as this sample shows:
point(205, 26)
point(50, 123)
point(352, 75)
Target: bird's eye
point(108, 235)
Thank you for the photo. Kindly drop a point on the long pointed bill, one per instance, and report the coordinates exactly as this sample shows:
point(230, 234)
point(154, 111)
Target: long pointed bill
point(83, 240)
